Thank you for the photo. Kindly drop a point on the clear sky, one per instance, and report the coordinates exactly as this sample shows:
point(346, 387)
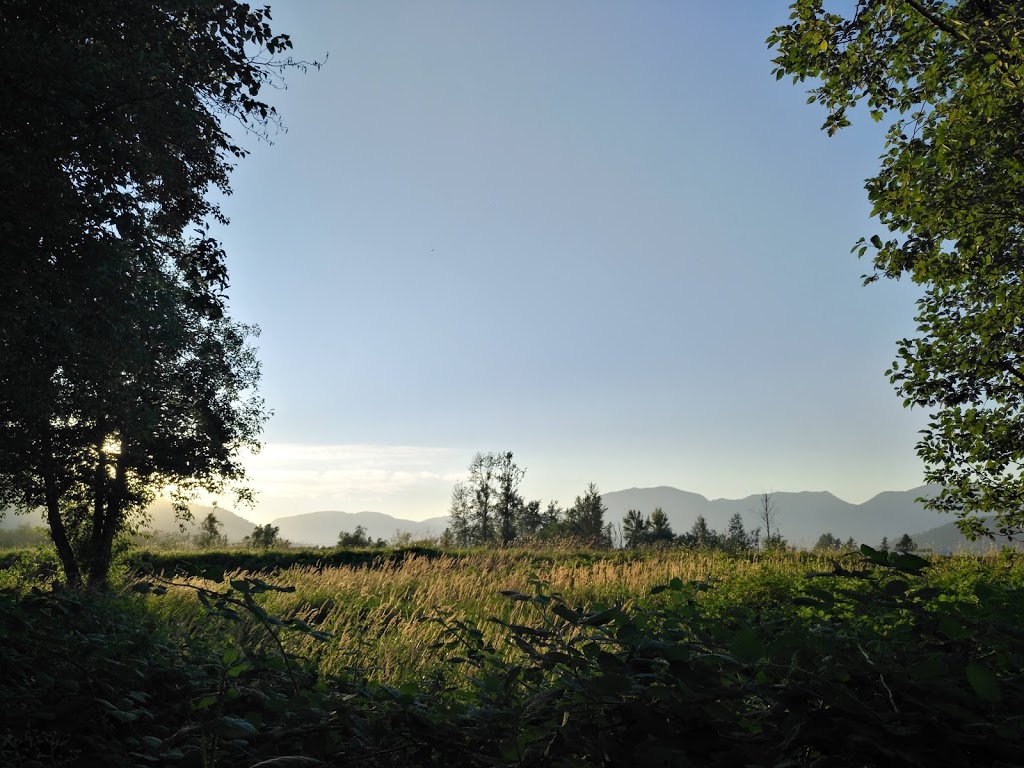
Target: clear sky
point(597, 234)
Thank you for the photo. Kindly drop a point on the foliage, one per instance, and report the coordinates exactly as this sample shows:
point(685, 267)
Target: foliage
point(949, 79)
point(263, 537)
point(357, 538)
point(487, 510)
point(828, 541)
point(23, 536)
point(878, 659)
point(584, 520)
point(701, 536)
point(209, 536)
point(635, 529)
point(654, 530)
point(120, 373)
point(905, 543)
point(737, 539)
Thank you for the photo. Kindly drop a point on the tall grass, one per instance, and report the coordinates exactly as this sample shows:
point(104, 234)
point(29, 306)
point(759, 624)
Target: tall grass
point(378, 617)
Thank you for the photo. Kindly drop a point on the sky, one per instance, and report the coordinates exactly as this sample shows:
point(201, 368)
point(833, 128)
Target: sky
point(597, 234)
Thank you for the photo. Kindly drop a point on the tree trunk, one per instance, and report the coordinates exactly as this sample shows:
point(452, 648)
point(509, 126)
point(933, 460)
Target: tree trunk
point(106, 519)
point(72, 573)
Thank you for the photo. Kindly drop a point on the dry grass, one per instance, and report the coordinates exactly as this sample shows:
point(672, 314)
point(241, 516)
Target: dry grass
point(378, 616)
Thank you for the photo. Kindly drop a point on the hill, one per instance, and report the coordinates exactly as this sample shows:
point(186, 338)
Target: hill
point(947, 539)
point(322, 528)
point(801, 517)
point(161, 520)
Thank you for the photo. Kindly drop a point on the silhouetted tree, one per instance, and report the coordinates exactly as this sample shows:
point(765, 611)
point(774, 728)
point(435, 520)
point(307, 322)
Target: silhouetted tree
point(660, 530)
point(486, 507)
point(120, 372)
point(209, 535)
point(634, 529)
point(884, 546)
point(766, 514)
point(736, 537)
point(263, 536)
point(905, 544)
point(357, 538)
point(530, 520)
point(584, 520)
point(509, 503)
point(701, 536)
point(828, 541)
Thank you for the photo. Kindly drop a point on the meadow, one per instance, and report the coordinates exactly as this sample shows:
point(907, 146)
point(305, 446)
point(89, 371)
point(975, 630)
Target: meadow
point(519, 657)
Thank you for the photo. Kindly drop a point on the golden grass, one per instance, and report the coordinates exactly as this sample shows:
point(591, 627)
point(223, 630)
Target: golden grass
point(377, 616)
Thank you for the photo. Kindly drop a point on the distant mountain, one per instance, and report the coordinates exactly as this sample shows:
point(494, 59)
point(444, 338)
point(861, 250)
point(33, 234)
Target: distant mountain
point(322, 528)
point(162, 520)
point(800, 517)
point(947, 538)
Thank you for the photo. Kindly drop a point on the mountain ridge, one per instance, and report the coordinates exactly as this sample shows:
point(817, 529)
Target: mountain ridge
point(801, 517)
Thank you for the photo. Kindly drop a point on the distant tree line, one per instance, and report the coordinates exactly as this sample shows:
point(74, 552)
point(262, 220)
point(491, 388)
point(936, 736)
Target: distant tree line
point(655, 531)
point(488, 509)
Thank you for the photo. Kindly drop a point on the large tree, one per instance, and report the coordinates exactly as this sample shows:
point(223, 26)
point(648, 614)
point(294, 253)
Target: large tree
point(120, 373)
point(487, 507)
point(948, 80)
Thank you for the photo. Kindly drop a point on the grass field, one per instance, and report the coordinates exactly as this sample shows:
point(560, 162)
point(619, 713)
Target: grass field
point(376, 615)
point(518, 657)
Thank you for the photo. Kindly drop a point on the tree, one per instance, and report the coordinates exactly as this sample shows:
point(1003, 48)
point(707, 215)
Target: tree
point(634, 529)
point(701, 535)
point(120, 373)
point(209, 535)
point(948, 79)
point(509, 504)
point(850, 544)
point(736, 537)
point(263, 536)
point(486, 505)
point(584, 520)
point(905, 543)
point(884, 546)
point(828, 541)
point(660, 529)
point(530, 519)
point(481, 483)
point(766, 514)
point(461, 530)
point(357, 538)
point(552, 519)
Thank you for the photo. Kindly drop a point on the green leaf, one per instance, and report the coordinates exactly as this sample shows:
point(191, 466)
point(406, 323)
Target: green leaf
point(984, 681)
point(205, 702)
point(565, 612)
point(746, 646)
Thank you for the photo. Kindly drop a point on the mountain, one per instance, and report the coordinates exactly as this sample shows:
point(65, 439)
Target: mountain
point(322, 528)
point(947, 538)
point(162, 520)
point(801, 517)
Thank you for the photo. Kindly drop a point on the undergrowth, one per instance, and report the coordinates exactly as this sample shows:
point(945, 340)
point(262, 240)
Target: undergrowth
point(489, 659)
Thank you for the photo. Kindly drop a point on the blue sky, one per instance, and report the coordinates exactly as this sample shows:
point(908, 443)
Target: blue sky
point(599, 235)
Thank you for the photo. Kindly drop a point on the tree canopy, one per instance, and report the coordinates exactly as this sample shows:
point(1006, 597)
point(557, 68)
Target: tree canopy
point(120, 372)
point(948, 80)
